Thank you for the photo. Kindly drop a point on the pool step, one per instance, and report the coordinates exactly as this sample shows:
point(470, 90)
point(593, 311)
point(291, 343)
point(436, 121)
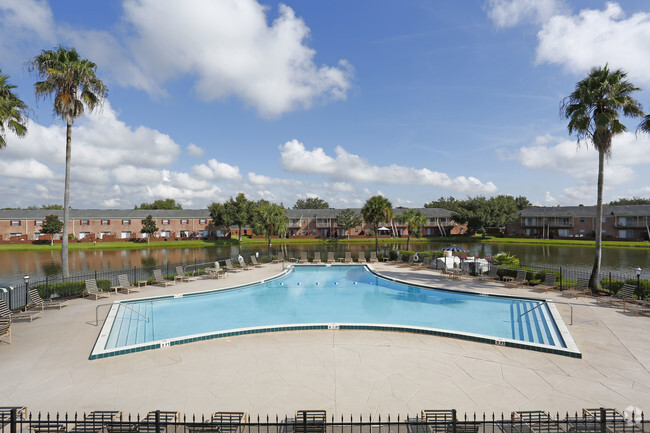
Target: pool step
point(132, 325)
point(535, 326)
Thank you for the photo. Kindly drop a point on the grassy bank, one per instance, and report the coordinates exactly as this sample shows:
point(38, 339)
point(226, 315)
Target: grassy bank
point(556, 242)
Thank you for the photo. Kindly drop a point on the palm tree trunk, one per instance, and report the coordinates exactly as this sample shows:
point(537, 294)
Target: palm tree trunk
point(376, 239)
point(595, 272)
point(408, 242)
point(66, 202)
point(239, 237)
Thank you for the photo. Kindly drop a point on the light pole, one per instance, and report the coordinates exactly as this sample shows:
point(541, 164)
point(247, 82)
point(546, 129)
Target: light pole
point(638, 282)
point(26, 279)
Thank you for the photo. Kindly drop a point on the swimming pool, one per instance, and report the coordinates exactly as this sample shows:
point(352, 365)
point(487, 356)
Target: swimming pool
point(332, 297)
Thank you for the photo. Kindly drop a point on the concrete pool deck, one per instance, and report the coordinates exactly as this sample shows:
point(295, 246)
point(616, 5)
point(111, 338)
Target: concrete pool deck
point(46, 368)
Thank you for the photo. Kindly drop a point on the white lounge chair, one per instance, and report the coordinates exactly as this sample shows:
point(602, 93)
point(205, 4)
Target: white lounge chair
point(38, 302)
point(92, 290)
point(5, 329)
point(158, 278)
point(125, 285)
point(362, 257)
point(303, 257)
point(231, 268)
point(316, 257)
point(255, 263)
point(280, 258)
point(373, 257)
point(348, 257)
point(330, 257)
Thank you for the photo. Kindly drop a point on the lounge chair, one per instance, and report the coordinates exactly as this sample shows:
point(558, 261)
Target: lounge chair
point(303, 257)
point(180, 275)
point(125, 285)
point(442, 421)
point(423, 264)
point(330, 257)
point(5, 415)
point(491, 274)
point(37, 302)
point(279, 259)
point(624, 294)
point(95, 421)
point(158, 278)
point(408, 263)
point(373, 257)
point(317, 259)
point(398, 259)
point(548, 284)
point(148, 423)
point(221, 422)
point(92, 290)
point(519, 280)
point(348, 257)
point(6, 313)
point(255, 263)
point(582, 287)
point(637, 306)
point(362, 257)
point(538, 421)
point(243, 265)
point(230, 267)
point(310, 421)
point(5, 329)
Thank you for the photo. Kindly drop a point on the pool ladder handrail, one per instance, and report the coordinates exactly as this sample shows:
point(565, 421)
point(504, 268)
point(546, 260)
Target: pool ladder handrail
point(544, 302)
point(113, 303)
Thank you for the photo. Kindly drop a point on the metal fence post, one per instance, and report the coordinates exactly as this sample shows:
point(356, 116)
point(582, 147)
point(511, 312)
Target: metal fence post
point(454, 420)
point(157, 421)
point(13, 420)
point(603, 420)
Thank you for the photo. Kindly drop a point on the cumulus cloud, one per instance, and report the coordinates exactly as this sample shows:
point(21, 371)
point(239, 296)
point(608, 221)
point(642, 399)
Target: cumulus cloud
point(216, 170)
point(259, 179)
point(194, 150)
point(595, 37)
point(509, 13)
point(26, 169)
point(353, 168)
point(20, 21)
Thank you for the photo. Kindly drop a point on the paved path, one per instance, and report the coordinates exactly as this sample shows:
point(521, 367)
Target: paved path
point(345, 372)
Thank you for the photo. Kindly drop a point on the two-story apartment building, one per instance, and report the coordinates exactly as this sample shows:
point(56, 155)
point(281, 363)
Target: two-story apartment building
point(619, 222)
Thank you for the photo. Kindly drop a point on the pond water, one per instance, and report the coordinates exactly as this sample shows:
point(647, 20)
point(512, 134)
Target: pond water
point(13, 265)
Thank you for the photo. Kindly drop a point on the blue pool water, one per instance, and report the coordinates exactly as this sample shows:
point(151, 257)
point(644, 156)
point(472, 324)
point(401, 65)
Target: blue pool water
point(332, 294)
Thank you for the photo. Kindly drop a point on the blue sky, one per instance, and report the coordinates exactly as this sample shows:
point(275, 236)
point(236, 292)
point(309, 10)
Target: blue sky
point(339, 100)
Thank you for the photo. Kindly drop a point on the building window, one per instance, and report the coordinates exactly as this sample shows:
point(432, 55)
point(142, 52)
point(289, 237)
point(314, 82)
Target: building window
point(185, 233)
point(563, 233)
point(184, 221)
point(101, 236)
point(126, 222)
point(165, 222)
point(165, 233)
point(126, 235)
point(604, 219)
point(582, 219)
point(203, 221)
point(83, 235)
point(83, 222)
point(15, 235)
point(106, 222)
point(15, 223)
point(38, 223)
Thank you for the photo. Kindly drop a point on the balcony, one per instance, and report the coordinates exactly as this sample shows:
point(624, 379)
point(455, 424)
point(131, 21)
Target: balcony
point(323, 223)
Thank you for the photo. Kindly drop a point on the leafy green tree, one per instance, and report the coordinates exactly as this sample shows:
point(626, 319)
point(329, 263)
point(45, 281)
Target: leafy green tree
point(449, 203)
point(149, 227)
point(13, 111)
point(629, 201)
point(347, 219)
point(269, 218)
point(51, 226)
point(374, 211)
point(414, 221)
point(168, 203)
point(218, 214)
point(239, 211)
point(311, 203)
point(72, 83)
point(593, 111)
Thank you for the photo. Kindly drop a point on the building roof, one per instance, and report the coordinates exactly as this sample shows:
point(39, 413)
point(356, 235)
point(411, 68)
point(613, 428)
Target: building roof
point(333, 213)
point(40, 214)
point(585, 211)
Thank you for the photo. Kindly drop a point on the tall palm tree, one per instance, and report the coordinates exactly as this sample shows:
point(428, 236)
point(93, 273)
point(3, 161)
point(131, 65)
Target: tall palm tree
point(13, 111)
point(72, 83)
point(645, 124)
point(593, 110)
point(414, 221)
point(270, 219)
point(376, 210)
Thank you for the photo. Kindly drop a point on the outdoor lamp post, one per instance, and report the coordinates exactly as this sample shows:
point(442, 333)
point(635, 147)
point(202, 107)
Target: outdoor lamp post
point(26, 279)
point(638, 281)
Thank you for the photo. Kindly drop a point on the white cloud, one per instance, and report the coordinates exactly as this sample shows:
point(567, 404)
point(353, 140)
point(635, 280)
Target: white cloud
point(353, 168)
point(26, 169)
point(509, 13)
point(595, 37)
point(259, 179)
point(20, 21)
point(194, 150)
point(216, 170)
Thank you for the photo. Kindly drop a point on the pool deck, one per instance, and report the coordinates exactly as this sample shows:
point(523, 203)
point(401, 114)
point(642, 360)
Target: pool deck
point(46, 368)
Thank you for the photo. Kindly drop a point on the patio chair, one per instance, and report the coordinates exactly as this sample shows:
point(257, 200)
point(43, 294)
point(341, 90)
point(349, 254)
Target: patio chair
point(255, 263)
point(310, 421)
point(624, 294)
point(125, 285)
point(221, 422)
point(180, 275)
point(5, 330)
point(373, 257)
point(148, 423)
point(6, 313)
point(519, 280)
point(582, 287)
point(317, 259)
point(95, 421)
point(408, 263)
point(423, 264)
point(158, 278)
point(362, 257)
point(243, 265)
point(303, 257)
point(348, 257)
point(538, 421)
point(442, 421)
point(92, 290)
point(330, 257)
point(548, 284)
point(279, 259)
point(37, 302)
point(637, 306)
point(491, 274)
point(231, 268)
point(5, 414)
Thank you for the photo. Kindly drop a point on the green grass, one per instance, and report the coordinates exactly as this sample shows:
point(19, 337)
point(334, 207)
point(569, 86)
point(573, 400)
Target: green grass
point(119, 245)
point(578, 242)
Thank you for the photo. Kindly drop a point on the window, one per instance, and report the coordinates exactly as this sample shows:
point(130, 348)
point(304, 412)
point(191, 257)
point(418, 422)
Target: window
point(15, 235)
point(185, 233)
point(15, 223)
point(165, 233)
point(37, 236)
point(564, 221)
point(106, 222)
point(126, 222)
point(623, 234)
point(126, 235)
point(38, 223)
point(83, 235)
point(563, 233)
point(203, 221)
point(582, 219)
point(165, 222)
point(83, 222)
point(184, 221)
point(604, 219)
point(101, 236)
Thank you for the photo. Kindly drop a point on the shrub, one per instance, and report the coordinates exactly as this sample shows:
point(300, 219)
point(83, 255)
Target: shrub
point(615, 285)
point(69, 289)
point(505, 259)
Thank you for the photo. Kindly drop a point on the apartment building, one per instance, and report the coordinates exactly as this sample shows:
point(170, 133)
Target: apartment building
point(630, 222)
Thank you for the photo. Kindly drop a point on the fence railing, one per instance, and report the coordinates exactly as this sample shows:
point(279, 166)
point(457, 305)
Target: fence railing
point(598, 420)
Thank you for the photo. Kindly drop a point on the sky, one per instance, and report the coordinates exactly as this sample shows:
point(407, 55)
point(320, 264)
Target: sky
point(341, 100)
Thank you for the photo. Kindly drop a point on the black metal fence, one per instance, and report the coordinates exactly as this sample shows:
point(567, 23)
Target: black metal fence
point(598, 420)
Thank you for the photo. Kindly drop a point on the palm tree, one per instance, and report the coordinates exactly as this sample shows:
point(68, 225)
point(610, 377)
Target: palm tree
point(376, 210)
point(593, 110)
point(414, 221)
point(270, 219)
point(645, 124)
point(13, 111)
point(72, 83)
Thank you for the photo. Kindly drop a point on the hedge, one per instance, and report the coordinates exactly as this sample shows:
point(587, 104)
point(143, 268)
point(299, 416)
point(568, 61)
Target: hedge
point(69, 289)
point(615, 285)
